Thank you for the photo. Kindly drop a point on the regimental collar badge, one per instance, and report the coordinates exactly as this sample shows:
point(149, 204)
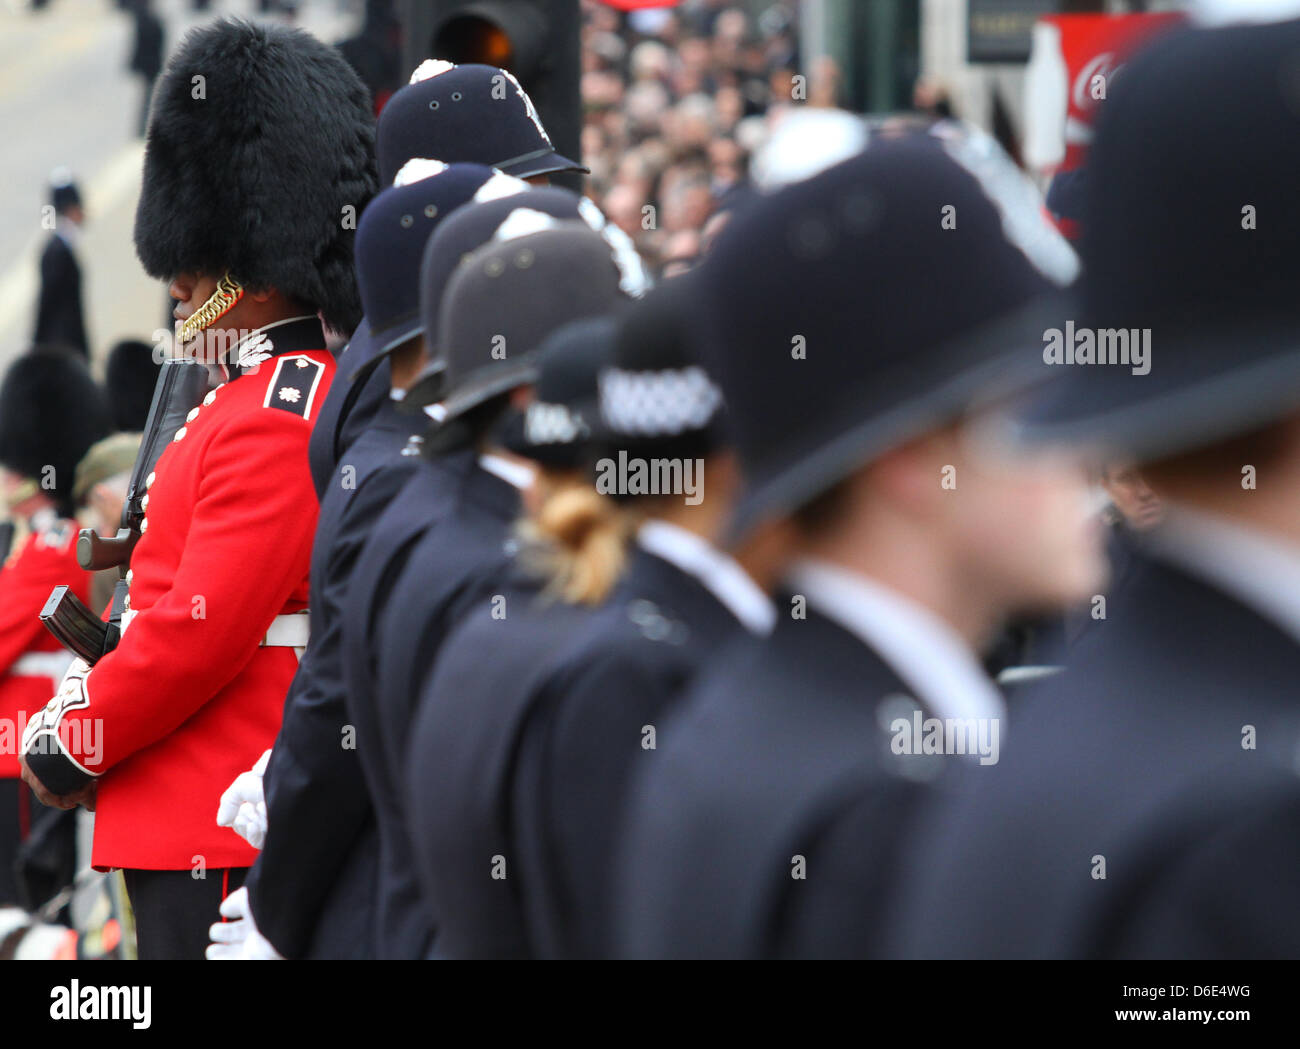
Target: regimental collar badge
point(295, 335)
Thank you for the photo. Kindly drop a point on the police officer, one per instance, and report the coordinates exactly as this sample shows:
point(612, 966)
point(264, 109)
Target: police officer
point(591, 718)
point(51, 412)
point(868, 441)
point(461, 757)
point(1147, 803)
point(499, 304)
point(471, 114)
point(311, 890)
point(194, 691)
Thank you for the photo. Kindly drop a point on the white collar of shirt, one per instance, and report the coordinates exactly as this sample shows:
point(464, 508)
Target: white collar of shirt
point(921, 648)
point(514, 474)
point(67, 231)
point(1261, 572)
point(719, 574)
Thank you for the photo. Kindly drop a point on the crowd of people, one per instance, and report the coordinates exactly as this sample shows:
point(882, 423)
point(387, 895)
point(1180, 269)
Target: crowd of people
point(675, 103)
point(633, 589)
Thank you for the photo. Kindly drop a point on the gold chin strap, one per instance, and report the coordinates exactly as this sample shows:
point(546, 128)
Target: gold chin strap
point(229, 291)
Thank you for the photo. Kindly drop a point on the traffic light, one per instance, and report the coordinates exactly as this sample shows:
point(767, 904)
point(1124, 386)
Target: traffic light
point(536, 40)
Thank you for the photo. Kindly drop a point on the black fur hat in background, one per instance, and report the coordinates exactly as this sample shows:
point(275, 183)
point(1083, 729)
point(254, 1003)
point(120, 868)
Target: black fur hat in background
point(51, 412)
point(130, 375)
point(259, 138)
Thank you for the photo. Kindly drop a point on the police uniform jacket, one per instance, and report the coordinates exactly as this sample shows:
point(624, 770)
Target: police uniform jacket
point(454, 565)
point(401, 927)
point(462, 764)
point(1145, 804)
point(732, 846)
point(596, 721)
point(343, 416)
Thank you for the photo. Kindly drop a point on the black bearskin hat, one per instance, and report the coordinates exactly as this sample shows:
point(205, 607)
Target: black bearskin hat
point(260, 139)
point(130, 375)
point(51, 412)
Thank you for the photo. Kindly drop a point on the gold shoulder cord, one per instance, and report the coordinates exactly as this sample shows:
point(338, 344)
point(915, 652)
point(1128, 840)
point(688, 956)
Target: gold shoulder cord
point(229, 291)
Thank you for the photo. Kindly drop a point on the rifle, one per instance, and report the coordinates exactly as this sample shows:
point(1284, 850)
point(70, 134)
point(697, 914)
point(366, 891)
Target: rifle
point(182, 383)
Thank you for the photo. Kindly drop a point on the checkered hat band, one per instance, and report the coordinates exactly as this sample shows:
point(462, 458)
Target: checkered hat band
point(552, 424)
point(658, 403)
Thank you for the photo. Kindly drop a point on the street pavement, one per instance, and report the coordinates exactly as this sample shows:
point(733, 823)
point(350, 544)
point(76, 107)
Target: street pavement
point(67, 98)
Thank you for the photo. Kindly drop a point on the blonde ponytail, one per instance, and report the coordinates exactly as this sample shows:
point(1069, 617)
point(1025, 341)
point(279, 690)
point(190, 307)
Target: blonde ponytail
point(579, 540)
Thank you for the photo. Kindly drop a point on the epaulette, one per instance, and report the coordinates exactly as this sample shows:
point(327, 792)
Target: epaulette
point(294, 384)
point(654, 625)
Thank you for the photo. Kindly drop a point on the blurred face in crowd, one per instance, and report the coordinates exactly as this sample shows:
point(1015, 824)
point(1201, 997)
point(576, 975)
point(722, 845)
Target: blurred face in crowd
point(680, 253)
point(105, 502)
point(687, 206)
point(1137, 503)
point(14, 488)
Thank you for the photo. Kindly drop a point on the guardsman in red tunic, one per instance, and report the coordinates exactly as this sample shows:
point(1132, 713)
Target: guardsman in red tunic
point(51, 412)
point(245, 210)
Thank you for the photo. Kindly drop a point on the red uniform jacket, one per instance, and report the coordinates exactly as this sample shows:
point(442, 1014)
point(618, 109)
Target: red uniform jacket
point(45, 559)
point(188, 699)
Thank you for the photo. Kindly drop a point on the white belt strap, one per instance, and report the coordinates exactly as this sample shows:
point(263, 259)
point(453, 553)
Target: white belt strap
point(52, 665)
point(286, 631)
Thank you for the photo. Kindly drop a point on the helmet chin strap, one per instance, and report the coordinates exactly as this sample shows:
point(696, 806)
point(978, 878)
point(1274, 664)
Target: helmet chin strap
point(228, 292)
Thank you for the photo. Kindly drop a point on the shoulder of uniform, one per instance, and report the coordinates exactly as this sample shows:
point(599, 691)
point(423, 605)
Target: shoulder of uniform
point(296, 384)
point(655, 623)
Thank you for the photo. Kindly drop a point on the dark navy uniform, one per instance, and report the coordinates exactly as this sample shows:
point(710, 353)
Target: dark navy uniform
point(453, 566)
point(343, 415)
point(316, 794)
point(401, 927)
point(466, 736)
point(1134, 757)
point(768, 749)
point(591, 732)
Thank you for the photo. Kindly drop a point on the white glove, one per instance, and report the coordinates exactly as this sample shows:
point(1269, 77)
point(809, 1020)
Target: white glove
point(243, 806)
point(238, 938)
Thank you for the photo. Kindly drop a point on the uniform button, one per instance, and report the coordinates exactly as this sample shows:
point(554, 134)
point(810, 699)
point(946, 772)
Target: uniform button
point(194, 414)
point(179, 434)
point(130, 574)
point(148, 481)
point(144, 525)
point(144, 503)
point(210, 397)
